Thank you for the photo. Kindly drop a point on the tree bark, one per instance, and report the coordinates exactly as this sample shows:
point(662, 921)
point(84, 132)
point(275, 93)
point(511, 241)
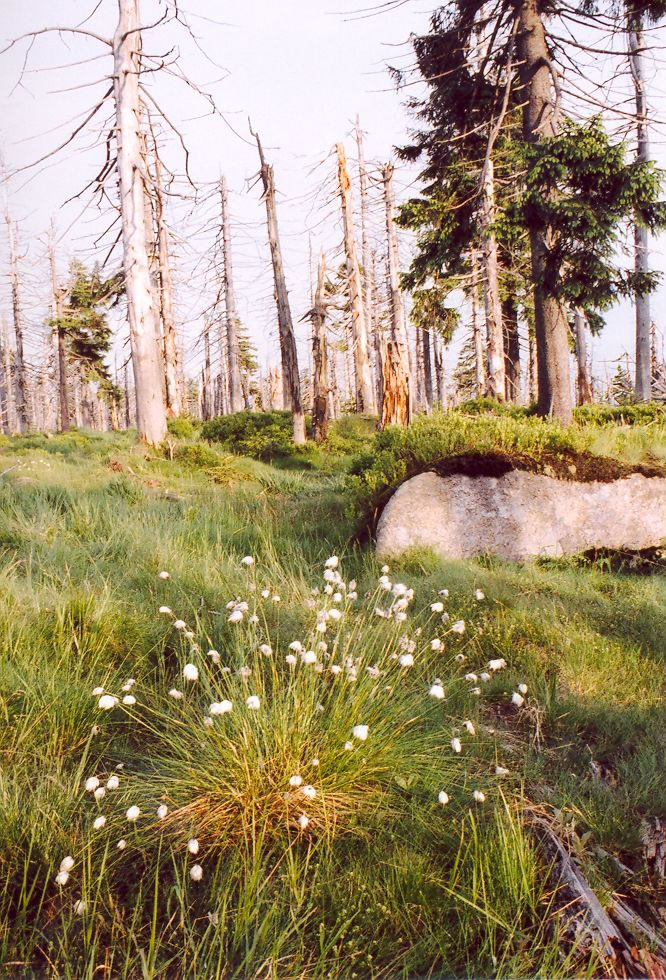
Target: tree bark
point(584, 390)
point(368, 271)
point(236, 397)
point(512, 377)
point(290, 377)
point(7, 416)
point(440, 381)
point(479, 363)
point(427, 371)
point(174, 405)
point(491, 296)
point(207, 409)
point(143, 325)
point(539, 121)
point(320, 381)
point(395, 356)
point(643, 380)
point(365, 401)
point(21, 399)
point(57, 294)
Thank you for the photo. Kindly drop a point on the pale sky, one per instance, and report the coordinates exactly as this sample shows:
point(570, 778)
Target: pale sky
point(301, 69)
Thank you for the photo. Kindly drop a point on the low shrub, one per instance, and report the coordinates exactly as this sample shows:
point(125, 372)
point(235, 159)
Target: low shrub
point(183, 427)
point(639, 414)
point(261, 435)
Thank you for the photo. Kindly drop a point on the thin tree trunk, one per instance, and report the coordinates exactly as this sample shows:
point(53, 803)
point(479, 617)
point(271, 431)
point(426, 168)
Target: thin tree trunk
point(395, 359)
point(4, 386)
point(427, 370)
point(22, 411)
point(491, 295)
point(539, 121)
point(236, 398)
point(143, 325)
point(479, 362)
point(533, 381)
point(512, 349)
point(584, 389)
point(643, 380)
point(440, 381)
point(10, 401)
point(368, 271)
point(207, 382)
point(320, 382)
point(57, 294)
point(376, 338)
point(365, 401)
point(174, 402)
point(127, 398)
point(290, 376)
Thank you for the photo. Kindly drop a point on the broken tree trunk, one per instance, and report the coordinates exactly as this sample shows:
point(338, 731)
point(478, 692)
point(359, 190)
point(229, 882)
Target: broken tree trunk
point(367, 260)
point(21, 399)
point(491, 296)
point(236, 398)
point(395, 362)
point(289, 357)
point(365, 401)
point(320, 382)
point(142, 316)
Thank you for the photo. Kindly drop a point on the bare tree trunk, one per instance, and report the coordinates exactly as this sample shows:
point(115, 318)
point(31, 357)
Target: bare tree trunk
point(365, 401)
point(540, 121)
point(127, 398)
point(377, 341)
point(479, 362)
point(5, 384)
point(22, 411)
point(427, 371)
point(395, 358)
point(207, 381)
point(290, 376)
point(533, 380)
point(9, 416)
point(144, 333)
point(584, 389)
point(171, 353)
point(236, 399)
point(440, 381)
point(512, 349)
point(368, 271)
point(491, 295)
point(643, 380)
point(58, 294)
point(320, 382)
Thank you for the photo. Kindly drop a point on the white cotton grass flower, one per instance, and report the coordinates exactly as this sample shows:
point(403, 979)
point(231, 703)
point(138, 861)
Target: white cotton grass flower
point(247, 561)
point(296, 646)
point(335, 669)
point(179, 624)
point(91, 784)
point(479, 595)
point(107, 702)
point(220, 707)
point(244, 672)
point(122, 844)
point(67, 864)
point(266, 649)
point(337, 597)
point(253, 619)
point(349, 746)
point(133, 814)
point(332, 562)
point(309, 791)
point(360, 732)
point(80, 907)
point(303, 821)
point(484, 676)
point(459, 658)
point(196, 872)
point(517, 699)
point(309, 657)
point(62, 878)
point(501, 771)
point(99, 793)
point(162, 811)
point(437, 607)
point(129, 700)
point(188, 634)
point(373, 672)
point(265, 593)
point(442, 797)
point(208, 722)
point(471, 678)
point(96, 691)
point(193, 845)
point(479, 797)
point(315, 762)
point(470, 727)
point(475, 690)
point(235, 617)
point(164, 575)
point(522, 688)
point(253, 702)
point(435, 644)
point(99, 822)
point(498, 664)
point(275, 598)
point(458, 626)
point(295, 781)
point(334, 614)
point(191, 672)
point(165, 611)
point(290, 659)
point(444, 593)
point(214, 656)
point(175, 694)
point(406, 660)
point(437, 691)
point(456, 745)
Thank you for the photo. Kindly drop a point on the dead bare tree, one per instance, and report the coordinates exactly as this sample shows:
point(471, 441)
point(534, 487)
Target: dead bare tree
point(320, 380)
point(289, 356)
point(21, 400)
point(236, 399)
point(57, 294)
point(496, 381)
point(395, 371)
point(584, 389)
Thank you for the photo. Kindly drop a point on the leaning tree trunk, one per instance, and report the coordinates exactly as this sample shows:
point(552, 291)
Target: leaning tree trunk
point(491, 295)
point(643, 382)
point(174, 404)
point(395, 359)
point(320, 382)
point(21, 401)
point(291, 382)
point(512, 349)
point(365, 401)
point(142, 316)
point(584, 387)
point(236, 397)
point(539, 121)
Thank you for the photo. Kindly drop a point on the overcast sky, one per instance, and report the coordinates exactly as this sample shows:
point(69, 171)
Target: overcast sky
point(301, 69)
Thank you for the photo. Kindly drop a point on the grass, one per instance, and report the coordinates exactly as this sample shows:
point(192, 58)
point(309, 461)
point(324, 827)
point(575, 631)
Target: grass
point(384, 881)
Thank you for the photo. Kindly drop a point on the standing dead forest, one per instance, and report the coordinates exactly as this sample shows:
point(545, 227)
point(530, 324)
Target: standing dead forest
point(333, 489)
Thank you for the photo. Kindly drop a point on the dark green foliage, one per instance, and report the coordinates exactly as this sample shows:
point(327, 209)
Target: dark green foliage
point(183, 427)
point(261, 435)
point(84, 321)
point(642, 413)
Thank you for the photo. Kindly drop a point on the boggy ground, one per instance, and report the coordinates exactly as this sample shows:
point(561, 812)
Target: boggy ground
point(383, 880)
